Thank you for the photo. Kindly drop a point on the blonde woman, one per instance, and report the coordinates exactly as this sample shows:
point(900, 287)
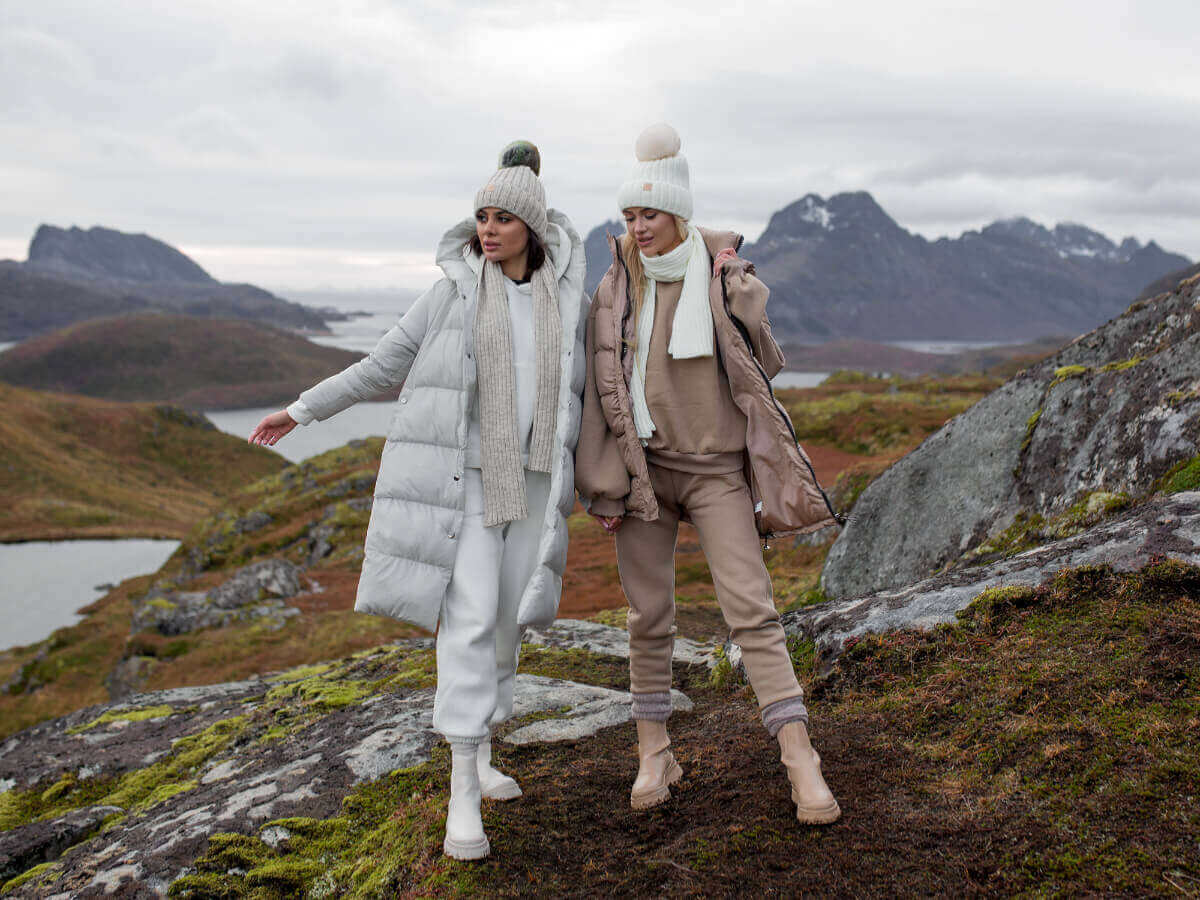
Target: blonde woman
point(679, 423)
point(468, 531)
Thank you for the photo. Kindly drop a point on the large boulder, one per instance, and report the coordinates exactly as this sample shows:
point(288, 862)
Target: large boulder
point(1112, 412)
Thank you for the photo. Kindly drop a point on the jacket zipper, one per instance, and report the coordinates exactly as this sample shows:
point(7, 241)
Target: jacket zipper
point(741, 328)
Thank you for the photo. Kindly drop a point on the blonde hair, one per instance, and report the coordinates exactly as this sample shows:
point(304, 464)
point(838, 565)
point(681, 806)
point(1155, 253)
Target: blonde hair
point(632, 255)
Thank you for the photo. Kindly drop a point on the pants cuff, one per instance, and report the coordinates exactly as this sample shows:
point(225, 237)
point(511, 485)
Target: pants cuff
point(779, 713)
point(460, 743)
point(655, 707)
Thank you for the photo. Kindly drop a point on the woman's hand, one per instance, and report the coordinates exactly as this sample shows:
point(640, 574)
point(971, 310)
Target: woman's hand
point(726, 255)
point(609, 523)
point(272, 428)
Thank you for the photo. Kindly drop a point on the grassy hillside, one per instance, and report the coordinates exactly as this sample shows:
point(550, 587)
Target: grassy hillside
point(193, 362)
point(76, 467)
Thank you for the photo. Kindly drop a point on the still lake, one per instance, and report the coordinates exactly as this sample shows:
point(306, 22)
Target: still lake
point(43, 583)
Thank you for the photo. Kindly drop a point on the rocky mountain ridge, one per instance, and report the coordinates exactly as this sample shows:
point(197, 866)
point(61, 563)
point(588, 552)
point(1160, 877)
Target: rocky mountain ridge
point(841, 267)
point(76, 274)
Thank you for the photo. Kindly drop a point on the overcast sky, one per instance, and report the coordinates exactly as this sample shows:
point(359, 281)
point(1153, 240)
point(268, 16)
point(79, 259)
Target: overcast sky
point(318, 143)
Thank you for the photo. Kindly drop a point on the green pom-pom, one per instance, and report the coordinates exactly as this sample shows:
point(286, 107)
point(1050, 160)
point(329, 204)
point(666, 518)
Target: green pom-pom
point(521, 153)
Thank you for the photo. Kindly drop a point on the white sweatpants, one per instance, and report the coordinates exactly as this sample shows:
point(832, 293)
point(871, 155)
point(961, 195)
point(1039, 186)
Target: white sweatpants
point(478, 639)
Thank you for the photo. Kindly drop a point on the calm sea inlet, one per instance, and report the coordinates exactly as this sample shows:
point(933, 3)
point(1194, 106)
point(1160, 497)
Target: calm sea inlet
point(43, 583)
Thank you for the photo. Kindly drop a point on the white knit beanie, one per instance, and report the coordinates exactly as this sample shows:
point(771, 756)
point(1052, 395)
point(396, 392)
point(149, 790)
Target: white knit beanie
point(659, 179)
point(516, 187)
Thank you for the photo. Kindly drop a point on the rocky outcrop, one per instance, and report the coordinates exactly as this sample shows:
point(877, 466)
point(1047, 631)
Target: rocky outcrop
point(166, 770)
point(1110, 413)
point(256, 591)
point(1163, 527)
point(104, 251)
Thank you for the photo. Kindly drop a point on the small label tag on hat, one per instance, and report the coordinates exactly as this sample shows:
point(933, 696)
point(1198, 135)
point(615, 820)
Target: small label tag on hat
point(647, 186)
point(490, 187)
point(757, 507)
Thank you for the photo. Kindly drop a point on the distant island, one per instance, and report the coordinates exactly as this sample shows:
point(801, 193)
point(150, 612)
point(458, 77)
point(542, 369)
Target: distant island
point(74, 274)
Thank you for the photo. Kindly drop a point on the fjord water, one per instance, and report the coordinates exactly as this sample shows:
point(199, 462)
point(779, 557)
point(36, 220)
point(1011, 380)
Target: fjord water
point(44, 583)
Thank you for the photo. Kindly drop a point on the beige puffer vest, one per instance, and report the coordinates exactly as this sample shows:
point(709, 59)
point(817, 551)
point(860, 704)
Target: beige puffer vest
point(611, 473)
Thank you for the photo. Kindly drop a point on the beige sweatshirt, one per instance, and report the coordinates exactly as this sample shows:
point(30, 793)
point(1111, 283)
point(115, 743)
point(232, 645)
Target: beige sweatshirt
point(698, 427)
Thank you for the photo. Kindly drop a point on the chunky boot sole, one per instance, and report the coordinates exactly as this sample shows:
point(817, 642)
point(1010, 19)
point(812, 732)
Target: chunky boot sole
point(508, 790)
point(659, 795)
point(819, 815)
point(466, 849)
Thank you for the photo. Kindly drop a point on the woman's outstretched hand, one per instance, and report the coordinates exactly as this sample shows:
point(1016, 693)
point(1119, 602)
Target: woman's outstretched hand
point(272, 428)
point(609, 523)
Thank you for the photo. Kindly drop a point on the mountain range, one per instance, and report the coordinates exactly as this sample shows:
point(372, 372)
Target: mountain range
point(843, 268)
point(75, 274)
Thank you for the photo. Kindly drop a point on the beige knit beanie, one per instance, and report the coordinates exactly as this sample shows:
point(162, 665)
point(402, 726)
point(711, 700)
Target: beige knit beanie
point(516, 187)
point(659, 179)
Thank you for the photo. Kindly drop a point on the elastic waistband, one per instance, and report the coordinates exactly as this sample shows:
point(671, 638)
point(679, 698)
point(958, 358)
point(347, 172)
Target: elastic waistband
point(697, 463)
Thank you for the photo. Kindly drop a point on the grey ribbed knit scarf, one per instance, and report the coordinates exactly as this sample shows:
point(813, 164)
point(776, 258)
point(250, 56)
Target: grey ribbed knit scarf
point(500, 452)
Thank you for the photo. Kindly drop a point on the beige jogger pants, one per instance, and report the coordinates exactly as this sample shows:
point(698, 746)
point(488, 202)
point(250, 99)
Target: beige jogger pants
point(721, 509)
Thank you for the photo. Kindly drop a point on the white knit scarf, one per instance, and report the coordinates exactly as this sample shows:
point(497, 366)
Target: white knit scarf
point(692, 327)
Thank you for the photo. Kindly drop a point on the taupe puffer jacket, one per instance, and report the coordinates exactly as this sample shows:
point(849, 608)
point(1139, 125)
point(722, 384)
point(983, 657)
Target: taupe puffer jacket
point(611, 473)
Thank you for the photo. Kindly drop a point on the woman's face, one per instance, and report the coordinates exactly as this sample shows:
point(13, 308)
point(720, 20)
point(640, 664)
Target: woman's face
point(655, 231)
point(502, 235)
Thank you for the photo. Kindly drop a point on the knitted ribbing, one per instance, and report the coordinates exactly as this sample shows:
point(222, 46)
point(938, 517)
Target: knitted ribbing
point(500, 456)
point(655, 706)
point(519, 191)
point(547, 336)
point(779, 713)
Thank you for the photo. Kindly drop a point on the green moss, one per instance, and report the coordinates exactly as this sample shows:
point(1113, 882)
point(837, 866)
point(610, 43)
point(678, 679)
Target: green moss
point(803, 653)
point(321, 694)
point(386, 841)
point(46, 874)
point(1063, 373)
point(1028, 531)
point(1121, 365)
point(721, 674)
point(1184, 476)
point(299, 673)
point(575, 664)
point(810, 597)
point(134, 791)
point(136, 714)
point(617, 618)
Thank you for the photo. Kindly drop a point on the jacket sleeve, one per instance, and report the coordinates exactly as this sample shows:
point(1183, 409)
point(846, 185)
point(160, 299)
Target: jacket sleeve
point(383, 369)
point(600, 474)
point(748, 302)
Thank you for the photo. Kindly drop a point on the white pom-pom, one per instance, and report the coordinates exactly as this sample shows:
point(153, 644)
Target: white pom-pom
point(657, 142)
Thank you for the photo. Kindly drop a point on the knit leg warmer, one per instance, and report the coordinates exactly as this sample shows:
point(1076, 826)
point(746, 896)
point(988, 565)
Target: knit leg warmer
point(655, 707)
point(778, 714)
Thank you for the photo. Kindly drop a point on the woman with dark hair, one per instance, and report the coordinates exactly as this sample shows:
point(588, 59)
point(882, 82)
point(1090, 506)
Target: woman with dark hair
point(468, 531)
point(680, 424)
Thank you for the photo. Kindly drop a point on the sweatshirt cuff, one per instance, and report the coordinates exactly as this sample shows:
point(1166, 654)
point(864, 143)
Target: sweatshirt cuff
point(301, 413)
point(603, 506)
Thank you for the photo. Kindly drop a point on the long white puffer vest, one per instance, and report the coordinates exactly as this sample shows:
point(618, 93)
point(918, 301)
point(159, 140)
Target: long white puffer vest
point(412, 539)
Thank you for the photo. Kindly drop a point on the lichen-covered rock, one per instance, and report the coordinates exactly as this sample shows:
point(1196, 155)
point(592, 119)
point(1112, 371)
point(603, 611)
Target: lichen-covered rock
point(1163, 527)
point(175, 767)
point(1112, 412)
point(40, 842)
point(255, 591)
point(607, 640)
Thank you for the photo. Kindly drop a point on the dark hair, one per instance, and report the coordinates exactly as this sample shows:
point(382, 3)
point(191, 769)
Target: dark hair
point(535, 251)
